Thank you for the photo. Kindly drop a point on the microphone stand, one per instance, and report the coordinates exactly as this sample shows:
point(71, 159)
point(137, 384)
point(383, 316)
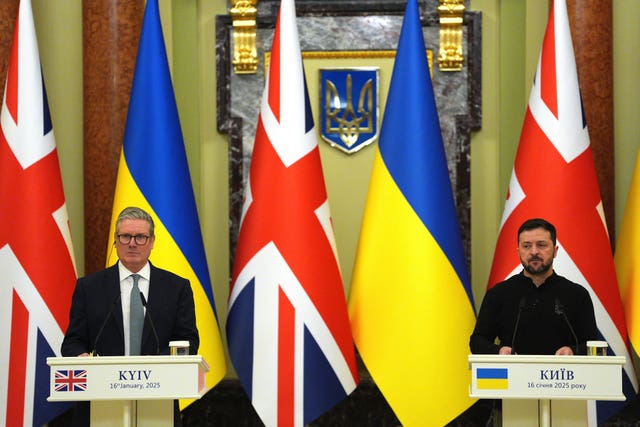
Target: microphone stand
point(559, 309)
point(523, 302)
point(153, 327)
point(104, 324)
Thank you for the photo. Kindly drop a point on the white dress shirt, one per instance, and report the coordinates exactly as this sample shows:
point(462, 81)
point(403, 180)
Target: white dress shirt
point(126, 284)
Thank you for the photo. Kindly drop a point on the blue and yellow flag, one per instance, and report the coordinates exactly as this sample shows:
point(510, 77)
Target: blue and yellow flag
point(492, 378)
point(627, 259)
point(410, 301)
point(154, 175)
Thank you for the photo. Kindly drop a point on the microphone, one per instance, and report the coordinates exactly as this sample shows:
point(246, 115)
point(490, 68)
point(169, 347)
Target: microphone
point(104, 323)
point(523, 302)
point(153, 327)
point(559, 309)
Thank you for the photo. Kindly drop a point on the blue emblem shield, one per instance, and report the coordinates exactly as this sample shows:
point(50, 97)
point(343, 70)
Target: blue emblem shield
point(349, 107)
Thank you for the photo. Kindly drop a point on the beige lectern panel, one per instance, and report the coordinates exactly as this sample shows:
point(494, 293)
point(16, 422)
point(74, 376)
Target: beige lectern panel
point(152, 413)
point(108, 413)
point(155, 412)
point(563, 413)
point(517, 412)
point(569, 413)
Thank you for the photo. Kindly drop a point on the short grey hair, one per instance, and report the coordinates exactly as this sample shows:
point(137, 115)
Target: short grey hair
point(133, 212)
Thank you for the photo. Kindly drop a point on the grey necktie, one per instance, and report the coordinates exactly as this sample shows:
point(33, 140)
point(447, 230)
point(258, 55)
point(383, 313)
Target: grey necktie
point(136, 318)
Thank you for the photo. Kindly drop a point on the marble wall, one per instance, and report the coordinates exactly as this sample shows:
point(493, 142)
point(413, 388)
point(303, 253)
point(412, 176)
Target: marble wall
point(356, 26)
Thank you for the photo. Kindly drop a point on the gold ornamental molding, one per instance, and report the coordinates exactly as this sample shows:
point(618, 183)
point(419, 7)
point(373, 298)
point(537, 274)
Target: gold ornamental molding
point(451, 14)
point(245, 55)
point(349, 54)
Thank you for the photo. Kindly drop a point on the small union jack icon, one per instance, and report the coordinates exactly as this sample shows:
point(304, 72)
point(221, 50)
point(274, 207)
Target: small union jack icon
point(71, 380)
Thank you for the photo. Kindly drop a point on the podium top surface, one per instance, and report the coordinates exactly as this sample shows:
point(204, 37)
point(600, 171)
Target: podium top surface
point(128, 360)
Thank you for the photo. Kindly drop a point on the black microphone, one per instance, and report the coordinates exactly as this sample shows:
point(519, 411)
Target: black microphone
point(104, 323)
point(153, 327)
point(559, 309)
point(523, 302)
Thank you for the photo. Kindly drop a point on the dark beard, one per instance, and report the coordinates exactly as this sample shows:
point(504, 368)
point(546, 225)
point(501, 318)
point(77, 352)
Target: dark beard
point(540, 270)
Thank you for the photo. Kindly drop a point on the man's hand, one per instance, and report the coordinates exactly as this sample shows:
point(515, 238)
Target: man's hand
point(564, 351)
point(504, 350)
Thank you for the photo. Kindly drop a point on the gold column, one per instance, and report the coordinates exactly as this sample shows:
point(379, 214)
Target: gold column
point(451, 14)
point(245, 56)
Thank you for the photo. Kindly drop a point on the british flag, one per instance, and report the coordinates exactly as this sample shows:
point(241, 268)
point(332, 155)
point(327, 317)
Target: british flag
point(554, 178)
point(70, 380)
point(288, 329)
point(36, 255)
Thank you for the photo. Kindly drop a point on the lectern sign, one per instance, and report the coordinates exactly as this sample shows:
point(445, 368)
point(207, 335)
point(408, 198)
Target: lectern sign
point(548, 377)
point(126, 378)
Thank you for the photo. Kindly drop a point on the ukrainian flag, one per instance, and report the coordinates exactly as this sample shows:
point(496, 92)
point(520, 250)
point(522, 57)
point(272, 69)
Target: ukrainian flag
point(410, 300)
point(492, 378)
point(627, 258)
point(154, 175)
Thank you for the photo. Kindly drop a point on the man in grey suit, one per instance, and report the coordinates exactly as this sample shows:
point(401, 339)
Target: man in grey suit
point(132, 307)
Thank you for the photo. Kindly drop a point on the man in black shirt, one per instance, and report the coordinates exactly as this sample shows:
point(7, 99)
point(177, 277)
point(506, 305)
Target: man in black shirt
point(535, 311)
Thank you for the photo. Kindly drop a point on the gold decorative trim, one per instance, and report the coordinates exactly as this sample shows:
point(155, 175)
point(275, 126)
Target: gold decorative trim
point(341, 54)
point(346, 54)
point(245, 55)
point(451, 14)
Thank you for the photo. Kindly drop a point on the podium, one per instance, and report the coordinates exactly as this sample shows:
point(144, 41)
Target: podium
point(128, 390)
point(546, 390)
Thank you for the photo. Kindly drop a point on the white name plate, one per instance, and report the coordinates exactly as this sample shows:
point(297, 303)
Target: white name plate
point(127, 378)
point(546, 377)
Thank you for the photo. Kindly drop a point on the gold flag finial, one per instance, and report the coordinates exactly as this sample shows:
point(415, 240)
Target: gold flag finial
point(451, 14)
point(245, 55)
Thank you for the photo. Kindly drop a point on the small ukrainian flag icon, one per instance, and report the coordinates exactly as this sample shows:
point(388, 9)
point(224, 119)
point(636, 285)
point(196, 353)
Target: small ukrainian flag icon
point(492, 378)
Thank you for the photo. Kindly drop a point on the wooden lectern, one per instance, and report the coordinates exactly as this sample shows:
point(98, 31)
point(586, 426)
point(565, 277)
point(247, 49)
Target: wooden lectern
point(128, 390)
point(546, 390)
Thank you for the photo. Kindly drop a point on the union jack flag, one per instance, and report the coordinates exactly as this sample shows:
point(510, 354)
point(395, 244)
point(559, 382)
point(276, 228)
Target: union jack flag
point(554, 178)
point(70, 380)
point(36, 255)
point(288, 329)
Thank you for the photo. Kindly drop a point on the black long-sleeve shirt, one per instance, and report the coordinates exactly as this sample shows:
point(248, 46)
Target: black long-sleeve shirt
point(542, 327)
